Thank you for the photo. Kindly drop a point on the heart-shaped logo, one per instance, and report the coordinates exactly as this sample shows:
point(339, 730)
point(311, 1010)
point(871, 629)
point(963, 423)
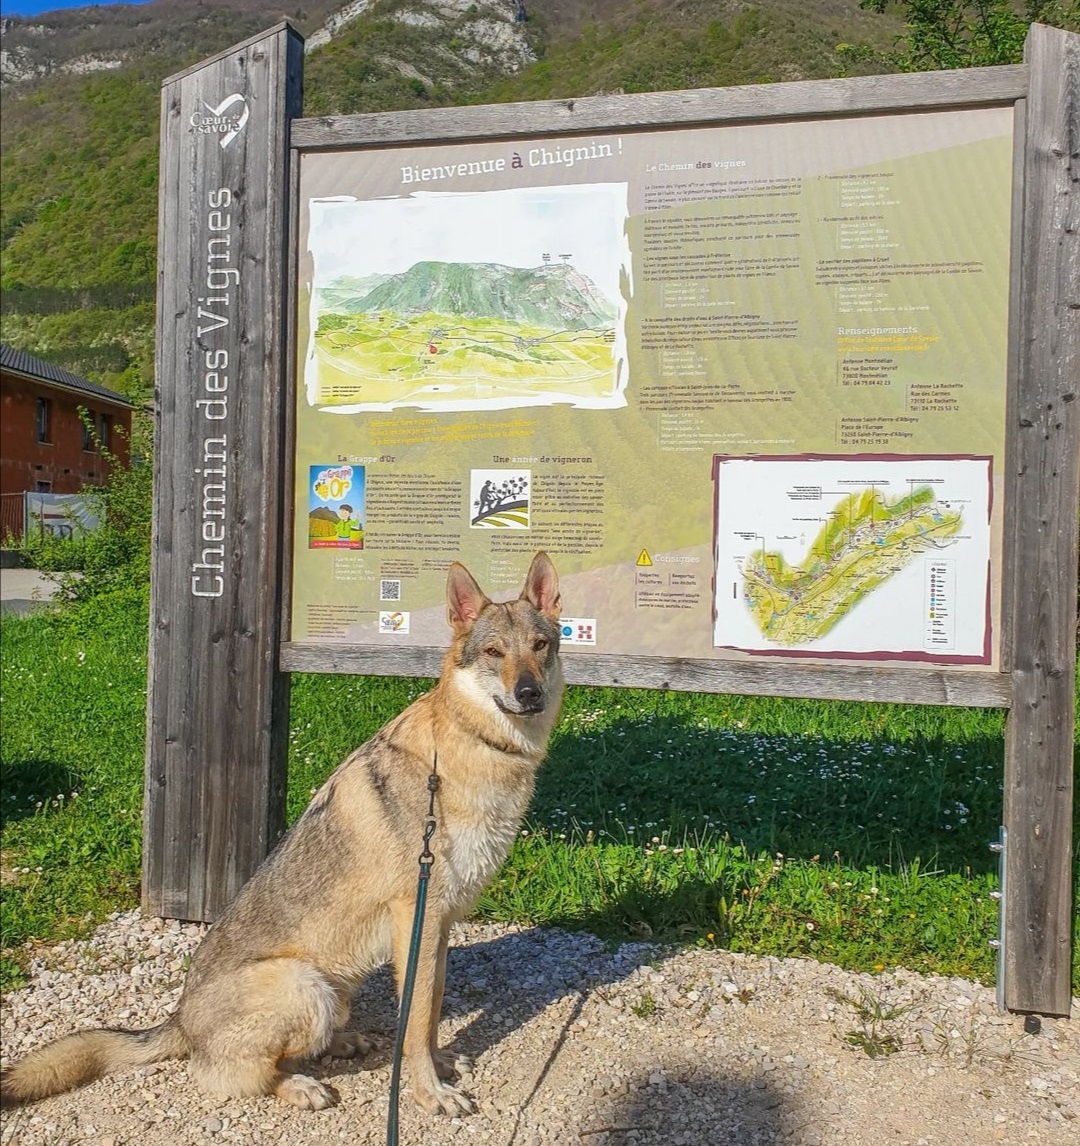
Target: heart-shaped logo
point(219, 112)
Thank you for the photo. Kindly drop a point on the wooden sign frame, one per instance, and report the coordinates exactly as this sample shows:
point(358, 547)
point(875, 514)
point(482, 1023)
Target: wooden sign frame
point(218, 683)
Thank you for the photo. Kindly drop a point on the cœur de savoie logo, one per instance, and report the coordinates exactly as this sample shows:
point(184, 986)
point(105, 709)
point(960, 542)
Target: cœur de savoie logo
point(226, 120)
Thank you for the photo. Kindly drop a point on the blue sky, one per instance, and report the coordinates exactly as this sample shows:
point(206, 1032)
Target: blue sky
point(33, 7)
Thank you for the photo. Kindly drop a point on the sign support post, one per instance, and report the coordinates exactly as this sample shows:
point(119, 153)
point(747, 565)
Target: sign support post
point(217, 704)
point(1046, 452)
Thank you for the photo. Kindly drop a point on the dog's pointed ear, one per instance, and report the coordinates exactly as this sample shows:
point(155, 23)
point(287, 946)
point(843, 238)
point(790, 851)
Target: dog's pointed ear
point(464, 598)
point(542, 587)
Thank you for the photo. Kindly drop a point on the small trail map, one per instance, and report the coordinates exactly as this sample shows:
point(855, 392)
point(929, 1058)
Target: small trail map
point(872, 557)
point(866, 541)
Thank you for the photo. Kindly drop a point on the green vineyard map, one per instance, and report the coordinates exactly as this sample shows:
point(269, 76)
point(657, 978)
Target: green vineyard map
point(867, 540)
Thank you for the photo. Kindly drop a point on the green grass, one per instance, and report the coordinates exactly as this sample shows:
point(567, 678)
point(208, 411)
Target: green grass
point(846, 832)
point(73, 694)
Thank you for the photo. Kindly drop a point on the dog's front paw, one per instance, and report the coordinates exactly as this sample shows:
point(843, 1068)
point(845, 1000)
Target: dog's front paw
point(303, 1091)
point(448, 1063)
point(443, 1099)
point(348, 1044)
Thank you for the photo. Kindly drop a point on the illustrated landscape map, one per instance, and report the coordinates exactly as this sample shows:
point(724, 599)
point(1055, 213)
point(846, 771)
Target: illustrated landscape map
point(468, 332)
point(745, 384)
point(463, 330)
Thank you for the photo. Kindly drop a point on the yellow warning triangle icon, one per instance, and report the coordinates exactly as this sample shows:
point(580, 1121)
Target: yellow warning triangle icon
point(644, 558)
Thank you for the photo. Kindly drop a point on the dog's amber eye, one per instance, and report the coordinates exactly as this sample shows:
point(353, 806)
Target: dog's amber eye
point(492, 651)
point(540, 645)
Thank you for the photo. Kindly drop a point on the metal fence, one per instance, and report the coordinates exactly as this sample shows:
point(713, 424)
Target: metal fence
point(12, 517)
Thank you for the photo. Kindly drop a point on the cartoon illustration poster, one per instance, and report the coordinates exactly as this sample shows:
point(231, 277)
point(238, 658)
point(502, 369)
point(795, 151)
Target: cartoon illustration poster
point(590, 344)
point(335, 517)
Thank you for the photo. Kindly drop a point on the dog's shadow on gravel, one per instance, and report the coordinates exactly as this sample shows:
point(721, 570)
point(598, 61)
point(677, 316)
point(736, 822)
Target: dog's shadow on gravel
point(499, 986)
point(496, 987)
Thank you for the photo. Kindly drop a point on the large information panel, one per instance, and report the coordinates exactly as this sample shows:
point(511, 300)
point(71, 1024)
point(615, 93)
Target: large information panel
point(746, 385)
point(783, 377)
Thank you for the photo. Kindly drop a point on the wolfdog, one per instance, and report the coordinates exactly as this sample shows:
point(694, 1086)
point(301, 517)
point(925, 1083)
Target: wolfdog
point(273, 978)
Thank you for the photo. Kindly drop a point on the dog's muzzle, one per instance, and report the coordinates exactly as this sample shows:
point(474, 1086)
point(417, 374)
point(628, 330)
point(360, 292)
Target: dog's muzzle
point(528, 695)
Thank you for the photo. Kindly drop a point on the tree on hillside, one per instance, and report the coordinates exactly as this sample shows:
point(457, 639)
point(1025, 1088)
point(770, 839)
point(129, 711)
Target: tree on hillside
point(968, 33)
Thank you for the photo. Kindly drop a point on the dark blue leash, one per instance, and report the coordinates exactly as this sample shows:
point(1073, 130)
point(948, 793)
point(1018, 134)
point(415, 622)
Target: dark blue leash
point(426, 860)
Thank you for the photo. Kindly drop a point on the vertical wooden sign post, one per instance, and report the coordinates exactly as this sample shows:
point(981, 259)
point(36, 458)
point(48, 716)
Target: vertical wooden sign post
point(215, 776)
point(1042, 551)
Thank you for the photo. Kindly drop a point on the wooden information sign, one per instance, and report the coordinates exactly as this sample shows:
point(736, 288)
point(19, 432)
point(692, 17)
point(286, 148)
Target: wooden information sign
point(783, 376)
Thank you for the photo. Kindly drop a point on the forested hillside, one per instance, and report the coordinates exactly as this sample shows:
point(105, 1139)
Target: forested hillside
point(78, 166)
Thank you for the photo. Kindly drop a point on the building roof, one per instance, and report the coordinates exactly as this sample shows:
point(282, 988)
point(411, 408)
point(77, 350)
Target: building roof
point(27, 365)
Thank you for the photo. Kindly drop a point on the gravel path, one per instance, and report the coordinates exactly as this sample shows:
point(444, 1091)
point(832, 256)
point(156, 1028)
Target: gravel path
point(578, 1045)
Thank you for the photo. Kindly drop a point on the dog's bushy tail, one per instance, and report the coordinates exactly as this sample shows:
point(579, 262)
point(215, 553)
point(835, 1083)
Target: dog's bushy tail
point(83, 1057)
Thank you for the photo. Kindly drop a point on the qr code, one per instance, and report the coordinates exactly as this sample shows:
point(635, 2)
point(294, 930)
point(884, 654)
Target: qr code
point(389, 590)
